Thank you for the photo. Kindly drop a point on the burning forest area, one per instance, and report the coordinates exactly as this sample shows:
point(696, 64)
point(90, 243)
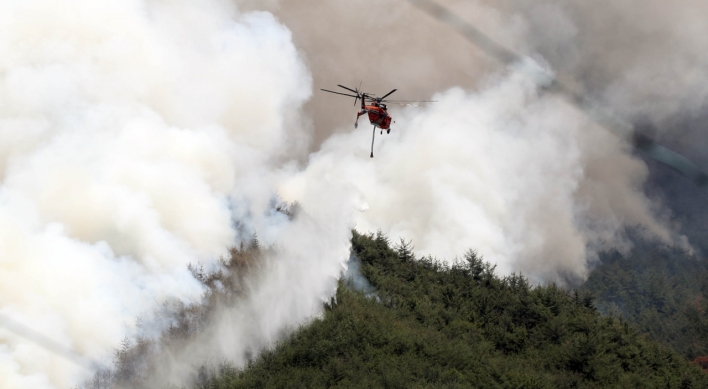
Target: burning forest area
point(187, 201)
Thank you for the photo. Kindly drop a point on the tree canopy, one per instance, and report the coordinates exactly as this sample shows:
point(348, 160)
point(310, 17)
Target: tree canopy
point(459, 325)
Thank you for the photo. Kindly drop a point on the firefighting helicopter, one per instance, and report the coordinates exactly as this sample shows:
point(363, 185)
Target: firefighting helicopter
point(376, 109)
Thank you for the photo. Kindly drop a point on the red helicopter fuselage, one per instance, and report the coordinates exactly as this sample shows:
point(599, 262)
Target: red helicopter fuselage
point(378, 115)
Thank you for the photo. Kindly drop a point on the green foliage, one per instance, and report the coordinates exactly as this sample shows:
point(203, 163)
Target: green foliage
point(459, 325)
point(662, 291)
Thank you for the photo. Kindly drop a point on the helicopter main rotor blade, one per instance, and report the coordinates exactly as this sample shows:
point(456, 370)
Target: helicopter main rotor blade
point(384, 96)
point(349, 89)
point(357, 92)
point(343, 94)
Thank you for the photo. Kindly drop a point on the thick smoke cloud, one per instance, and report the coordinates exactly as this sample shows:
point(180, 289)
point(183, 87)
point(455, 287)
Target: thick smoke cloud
point(643, 58)
point(525, 179)
point(559, 188)
point(138, 137)
point(640, 60)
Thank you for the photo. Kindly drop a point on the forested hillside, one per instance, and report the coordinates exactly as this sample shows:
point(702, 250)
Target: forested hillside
point(458, 325)
point(659, 290)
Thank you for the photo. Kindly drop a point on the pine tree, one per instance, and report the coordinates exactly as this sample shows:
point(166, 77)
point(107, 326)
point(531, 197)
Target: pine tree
point(405, 250)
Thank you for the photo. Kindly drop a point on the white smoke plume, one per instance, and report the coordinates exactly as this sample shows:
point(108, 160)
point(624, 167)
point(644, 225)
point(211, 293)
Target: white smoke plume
point(529, 181)
point(643, 58)
point(137, 137)
point(525, 179)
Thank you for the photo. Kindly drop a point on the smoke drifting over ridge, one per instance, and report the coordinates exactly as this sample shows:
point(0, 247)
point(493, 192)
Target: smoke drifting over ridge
point(517, 176)
point(139, 136)
point(601, 50)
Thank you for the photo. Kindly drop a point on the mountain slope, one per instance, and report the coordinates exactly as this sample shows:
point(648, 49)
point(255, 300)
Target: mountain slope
point(659, 290)
point(459, 325)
